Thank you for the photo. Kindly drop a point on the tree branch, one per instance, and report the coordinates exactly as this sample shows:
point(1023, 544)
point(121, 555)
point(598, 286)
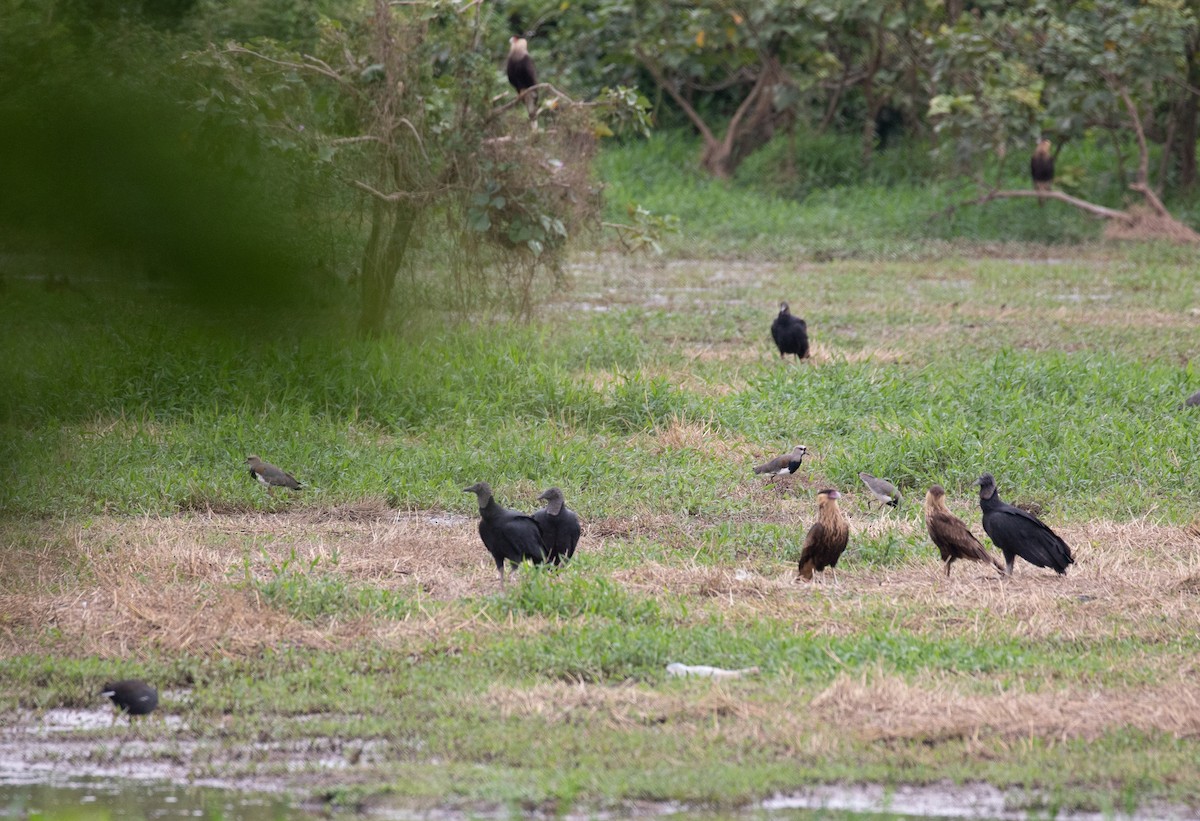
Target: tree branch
point(1083, 205)
point(691, 113)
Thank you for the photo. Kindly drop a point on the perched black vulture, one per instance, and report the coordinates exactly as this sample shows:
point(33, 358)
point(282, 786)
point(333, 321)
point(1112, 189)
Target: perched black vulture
point(521, 73)
point(1019, 533)
point(953, 538)
point(1041, 167)
point(134, 697)
point(559, 525)
point(790, 333)
point(827, 538)
point(506, 533)
point(787, 463)
point(270, 476)
point(881, 490)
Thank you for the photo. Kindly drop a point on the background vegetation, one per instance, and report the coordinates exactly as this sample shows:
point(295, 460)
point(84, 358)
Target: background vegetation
point(185, 277)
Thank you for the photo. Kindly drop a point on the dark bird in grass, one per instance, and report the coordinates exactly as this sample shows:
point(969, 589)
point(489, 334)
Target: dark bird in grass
point(270, 476)
point(953, 538)
point(1041, 168)
point(882, 490)
point(827, 538)
point(521, 73)
point(559, 526)
point(1019, 533)
point(787, 463)
point(506, 533)
point(1192, 401)
point(790, 333)
point(134, 697)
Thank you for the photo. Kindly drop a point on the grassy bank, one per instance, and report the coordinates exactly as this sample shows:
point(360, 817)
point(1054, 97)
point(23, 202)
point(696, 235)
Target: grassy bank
point(351, 641)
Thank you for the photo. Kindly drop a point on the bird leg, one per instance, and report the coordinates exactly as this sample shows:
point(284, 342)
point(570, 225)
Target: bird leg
point(949, 562)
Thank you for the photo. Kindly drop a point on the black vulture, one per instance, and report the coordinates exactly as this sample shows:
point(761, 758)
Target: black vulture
point(787, 463)
point(1041, 167)
point(270, 476)
point(506, 533)
point(790, 333)
point(827, 538)
point(521, 73)
point(559, 526)
point(882, 490)
point(1018, 532)
point(132, 696)
point(953, 538)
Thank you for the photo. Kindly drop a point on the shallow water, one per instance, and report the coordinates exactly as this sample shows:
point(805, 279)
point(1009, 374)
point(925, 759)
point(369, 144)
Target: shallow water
point(84, 800)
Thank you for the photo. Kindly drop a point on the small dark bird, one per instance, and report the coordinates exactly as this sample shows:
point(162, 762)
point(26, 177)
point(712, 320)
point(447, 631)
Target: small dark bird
point(953, 538)
point(559, 526)
point(790, 333)
point(1192, 401)
point(506, 533)
point(270, 476)
point(1019, 533)
point(881, 490)
point(787, 463)
point(521, 73)
point(132, 696)
point(1041, 167)
point(827, 538)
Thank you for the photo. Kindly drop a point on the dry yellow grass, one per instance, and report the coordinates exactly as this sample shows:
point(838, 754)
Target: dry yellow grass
point(174, 583)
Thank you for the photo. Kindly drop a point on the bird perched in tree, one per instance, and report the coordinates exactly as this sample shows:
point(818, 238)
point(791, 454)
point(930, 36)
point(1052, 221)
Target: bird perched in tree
point(559, 526)
point(1041, 167)
point(506, 533)
point(521, 73)
point(1019, 533)
point(953, 538)
point(790, 333)
point(132, 696)
point(270, 476)
point(787, 463)
point(881, 490)
point(828, 536)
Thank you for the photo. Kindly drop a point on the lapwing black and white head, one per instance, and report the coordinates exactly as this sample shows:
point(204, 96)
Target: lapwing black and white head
point(270, 476)
point(881, 490)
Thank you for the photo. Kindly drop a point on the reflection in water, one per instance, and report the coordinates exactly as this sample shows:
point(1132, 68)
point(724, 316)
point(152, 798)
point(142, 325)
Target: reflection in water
point(82, 800)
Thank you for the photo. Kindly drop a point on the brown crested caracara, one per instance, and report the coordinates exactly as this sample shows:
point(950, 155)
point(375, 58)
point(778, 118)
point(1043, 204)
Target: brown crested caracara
point(953, 538)
point(1041, 166)
point(827, 538)
point(521, 73)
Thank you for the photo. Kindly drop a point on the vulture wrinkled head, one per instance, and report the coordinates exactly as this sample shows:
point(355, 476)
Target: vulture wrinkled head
point(987, 486)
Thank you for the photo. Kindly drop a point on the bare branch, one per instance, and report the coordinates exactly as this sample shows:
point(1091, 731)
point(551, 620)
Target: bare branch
point(395, 196)
point(322, 69)
point(1083, 205)
point(687, 108)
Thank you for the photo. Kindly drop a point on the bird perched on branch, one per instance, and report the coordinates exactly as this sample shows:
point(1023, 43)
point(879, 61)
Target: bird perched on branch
point(953, 538)
point(882, 490)
point(785, 464)
point(270, 476)
point(506, 533)
point(132, 696)
point(1041, 167)
point(790, 333)
point(1019, 533)
point(827, 538)
point(521, 73)
point(559, 526)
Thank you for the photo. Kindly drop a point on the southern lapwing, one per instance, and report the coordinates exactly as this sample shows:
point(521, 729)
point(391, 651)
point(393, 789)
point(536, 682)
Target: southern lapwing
point(882, 490)
point(786, 463)
point(270, 476)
